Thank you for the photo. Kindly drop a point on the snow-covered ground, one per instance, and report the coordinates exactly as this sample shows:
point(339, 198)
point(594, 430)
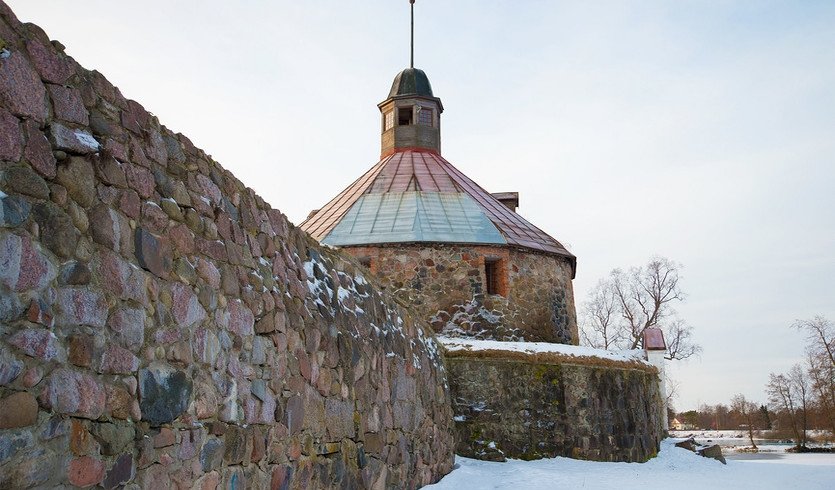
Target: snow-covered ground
point(674, 468)
point(454, 344)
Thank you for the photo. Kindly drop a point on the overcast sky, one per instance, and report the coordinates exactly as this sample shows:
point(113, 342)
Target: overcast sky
point(701, 131)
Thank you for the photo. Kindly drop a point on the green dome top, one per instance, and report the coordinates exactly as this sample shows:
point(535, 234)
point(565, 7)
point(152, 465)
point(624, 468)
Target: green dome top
point(411, 81)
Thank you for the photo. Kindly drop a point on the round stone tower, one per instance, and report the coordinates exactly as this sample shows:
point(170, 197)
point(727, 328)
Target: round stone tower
point(461, 256)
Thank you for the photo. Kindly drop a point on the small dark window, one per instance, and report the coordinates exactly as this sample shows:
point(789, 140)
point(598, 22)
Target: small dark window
point(404, 116)
point(365, 262)
point(491, 275)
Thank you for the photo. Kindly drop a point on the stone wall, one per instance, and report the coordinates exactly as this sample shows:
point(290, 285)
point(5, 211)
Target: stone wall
point(161, 325)
point(529, 408)
point(446, 284)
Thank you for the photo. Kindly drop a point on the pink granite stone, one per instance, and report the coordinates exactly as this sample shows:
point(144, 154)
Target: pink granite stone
point(68, 105)
point(48, 63)
point(11, 138)
point(21, 90)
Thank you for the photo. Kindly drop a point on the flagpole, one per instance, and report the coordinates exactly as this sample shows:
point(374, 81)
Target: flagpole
point(412, 58)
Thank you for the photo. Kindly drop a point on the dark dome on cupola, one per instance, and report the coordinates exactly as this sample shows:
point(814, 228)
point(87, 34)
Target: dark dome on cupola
point(411, 81)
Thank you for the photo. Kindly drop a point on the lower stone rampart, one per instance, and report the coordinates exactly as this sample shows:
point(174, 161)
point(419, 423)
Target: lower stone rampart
point(527, 407)
point(161, 326)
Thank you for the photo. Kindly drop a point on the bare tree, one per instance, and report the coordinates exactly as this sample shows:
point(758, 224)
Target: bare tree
point(820, 336)
point(789, 393)
point(600, 317)
point(820, 356)
point(626, 303)
point(822, 378)
point(746, 410)
point(679, 337)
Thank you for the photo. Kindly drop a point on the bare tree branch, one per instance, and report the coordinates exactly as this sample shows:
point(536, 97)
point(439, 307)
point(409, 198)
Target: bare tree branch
point(626, 303)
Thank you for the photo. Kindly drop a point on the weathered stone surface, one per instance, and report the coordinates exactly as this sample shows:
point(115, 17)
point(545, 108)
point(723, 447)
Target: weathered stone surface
point(153, 253)
point(129, 323)
point(10, 444)
point(14, 211)
point(447, 286)
point(81, 306)
point(74, 393)
point(82, 442)
point(85, 471)
point(39, 312)
point(157, 150)
point(10, 307)
point(38, 151)
point(330, 351)
point(57, 230)
point(11, 137)
point(164, 393)
point(49, 65)
point(117, 360)
point(23, 180)
point(78, 177)
point(22, 266)
point(186, 307)
point(172, 189)
point(21, 90)
point(111, 229)
point(529, 410)
point(18, 410)
point(32, 377)
point(10, 366)
point(39, 343)
point(211, 455)
point(714, 452)
point(74, 274)
point(81, 350)
point(110, 171)
point(67, 104)
point(237, 318)
point(78, 141)
point(122, 471)
point(113, 438)
point(140, 179)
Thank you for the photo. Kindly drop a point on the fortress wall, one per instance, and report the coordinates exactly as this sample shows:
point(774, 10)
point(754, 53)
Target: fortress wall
point(161, 325)
point(446, 284)
point(518, 406)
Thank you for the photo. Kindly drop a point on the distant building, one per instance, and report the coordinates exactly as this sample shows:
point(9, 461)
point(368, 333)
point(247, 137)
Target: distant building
point(676, 424)
point(458, 254)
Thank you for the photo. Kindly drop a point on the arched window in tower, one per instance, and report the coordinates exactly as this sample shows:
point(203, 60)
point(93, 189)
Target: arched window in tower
point(388, 121)
point(404, 116)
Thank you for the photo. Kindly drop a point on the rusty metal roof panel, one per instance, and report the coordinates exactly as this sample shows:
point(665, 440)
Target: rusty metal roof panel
point(426, 171)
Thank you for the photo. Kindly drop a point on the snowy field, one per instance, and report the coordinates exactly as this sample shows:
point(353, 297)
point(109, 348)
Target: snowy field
point(674, 468)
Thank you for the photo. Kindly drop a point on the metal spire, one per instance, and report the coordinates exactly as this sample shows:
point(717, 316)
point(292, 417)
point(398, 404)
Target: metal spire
point(412, 59)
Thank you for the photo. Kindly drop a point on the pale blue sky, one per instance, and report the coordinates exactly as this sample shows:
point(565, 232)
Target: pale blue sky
point(702, 131)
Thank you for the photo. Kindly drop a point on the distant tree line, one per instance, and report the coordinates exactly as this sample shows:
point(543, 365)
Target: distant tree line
point(805, 395)
point(799, 400)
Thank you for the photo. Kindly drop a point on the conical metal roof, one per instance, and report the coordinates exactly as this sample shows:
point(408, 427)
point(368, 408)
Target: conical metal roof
point(418, 196)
